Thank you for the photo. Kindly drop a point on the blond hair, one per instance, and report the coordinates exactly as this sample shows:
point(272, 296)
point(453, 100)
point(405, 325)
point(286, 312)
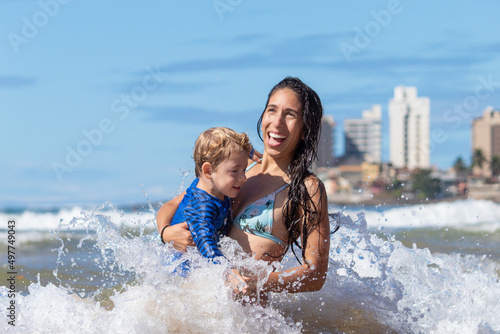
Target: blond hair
point(216, 145)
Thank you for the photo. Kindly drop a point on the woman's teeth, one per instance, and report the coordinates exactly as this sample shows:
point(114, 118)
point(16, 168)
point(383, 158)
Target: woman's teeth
point(276, 136)
point(275, 139)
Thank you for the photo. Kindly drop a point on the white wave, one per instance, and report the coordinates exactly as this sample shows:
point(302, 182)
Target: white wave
point(481, 214)
point(70, 218)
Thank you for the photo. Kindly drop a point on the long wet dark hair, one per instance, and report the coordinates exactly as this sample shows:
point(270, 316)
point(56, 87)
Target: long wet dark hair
point(299, 205)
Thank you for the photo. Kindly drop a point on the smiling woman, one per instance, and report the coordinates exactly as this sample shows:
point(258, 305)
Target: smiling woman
point(295, 205)
point(282, 122)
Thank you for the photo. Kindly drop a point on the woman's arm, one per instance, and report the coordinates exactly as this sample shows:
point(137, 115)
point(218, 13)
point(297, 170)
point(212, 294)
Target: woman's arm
point(311, 275)
point(178, 234)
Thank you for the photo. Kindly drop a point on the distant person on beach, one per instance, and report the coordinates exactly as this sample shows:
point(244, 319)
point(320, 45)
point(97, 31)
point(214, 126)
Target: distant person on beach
point(282, 202)
point(221, 157)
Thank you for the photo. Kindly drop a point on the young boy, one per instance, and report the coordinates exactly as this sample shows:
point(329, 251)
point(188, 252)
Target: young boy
point(221, 156)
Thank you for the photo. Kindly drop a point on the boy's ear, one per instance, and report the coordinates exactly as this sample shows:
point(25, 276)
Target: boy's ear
point(206, 170)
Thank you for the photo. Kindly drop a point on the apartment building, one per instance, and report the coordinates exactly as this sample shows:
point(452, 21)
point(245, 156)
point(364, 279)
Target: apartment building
point(409, 129)
point(363, 136)
point(326, 145)
point(486, 137)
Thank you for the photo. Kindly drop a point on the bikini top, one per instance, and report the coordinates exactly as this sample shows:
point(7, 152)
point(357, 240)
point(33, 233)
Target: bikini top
point(257, 218)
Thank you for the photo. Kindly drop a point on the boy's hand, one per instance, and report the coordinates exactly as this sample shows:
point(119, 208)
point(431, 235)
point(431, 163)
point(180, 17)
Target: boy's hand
point(255, 155)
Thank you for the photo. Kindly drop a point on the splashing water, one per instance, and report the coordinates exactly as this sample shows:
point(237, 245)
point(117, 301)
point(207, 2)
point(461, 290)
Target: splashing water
point(112, 274)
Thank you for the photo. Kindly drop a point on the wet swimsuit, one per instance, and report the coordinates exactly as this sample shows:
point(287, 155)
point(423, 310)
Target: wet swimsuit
point(206, 216)
point(257, 218)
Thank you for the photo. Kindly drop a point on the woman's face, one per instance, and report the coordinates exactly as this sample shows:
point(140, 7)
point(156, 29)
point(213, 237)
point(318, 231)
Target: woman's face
point(282, 125)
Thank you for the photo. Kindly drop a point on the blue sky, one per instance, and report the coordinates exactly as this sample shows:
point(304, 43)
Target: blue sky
point(102, 100)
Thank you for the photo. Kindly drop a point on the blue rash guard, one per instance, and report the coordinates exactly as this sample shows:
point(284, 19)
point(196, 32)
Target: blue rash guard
point(206, 216)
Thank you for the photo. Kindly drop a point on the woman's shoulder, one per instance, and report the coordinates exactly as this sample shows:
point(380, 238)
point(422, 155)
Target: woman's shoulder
point(317, 194)
point(313, 183)
point(315, 188)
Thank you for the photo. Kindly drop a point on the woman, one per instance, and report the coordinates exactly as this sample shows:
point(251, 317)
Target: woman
point(281, 200)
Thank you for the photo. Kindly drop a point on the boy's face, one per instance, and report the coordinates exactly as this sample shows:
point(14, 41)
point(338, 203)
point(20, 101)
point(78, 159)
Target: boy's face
point(230, 175)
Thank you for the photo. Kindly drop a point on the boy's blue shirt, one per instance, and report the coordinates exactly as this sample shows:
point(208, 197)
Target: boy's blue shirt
point(207, 219)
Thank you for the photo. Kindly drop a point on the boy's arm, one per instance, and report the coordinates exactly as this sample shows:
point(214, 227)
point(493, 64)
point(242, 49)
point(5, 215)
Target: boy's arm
point(200, 218)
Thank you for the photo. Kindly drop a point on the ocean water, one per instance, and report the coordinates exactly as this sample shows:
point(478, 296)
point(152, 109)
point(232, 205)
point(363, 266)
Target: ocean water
point(428, 268)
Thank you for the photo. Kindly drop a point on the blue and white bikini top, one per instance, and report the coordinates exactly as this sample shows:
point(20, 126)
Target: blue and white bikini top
point(257, 218)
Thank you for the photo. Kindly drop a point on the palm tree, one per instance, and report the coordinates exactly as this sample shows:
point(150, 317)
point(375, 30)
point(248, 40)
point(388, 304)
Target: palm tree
point(478, 158)
point(495, 165)
point(459, 165)
point(461, 169)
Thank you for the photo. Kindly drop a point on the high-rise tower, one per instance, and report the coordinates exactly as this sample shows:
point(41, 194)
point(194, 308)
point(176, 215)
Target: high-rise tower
point(326, 142)
point(363, 137)
point(409, 129)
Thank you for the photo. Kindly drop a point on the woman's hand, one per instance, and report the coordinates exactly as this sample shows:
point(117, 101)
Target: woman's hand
point(237, 282)
point(178, 234)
